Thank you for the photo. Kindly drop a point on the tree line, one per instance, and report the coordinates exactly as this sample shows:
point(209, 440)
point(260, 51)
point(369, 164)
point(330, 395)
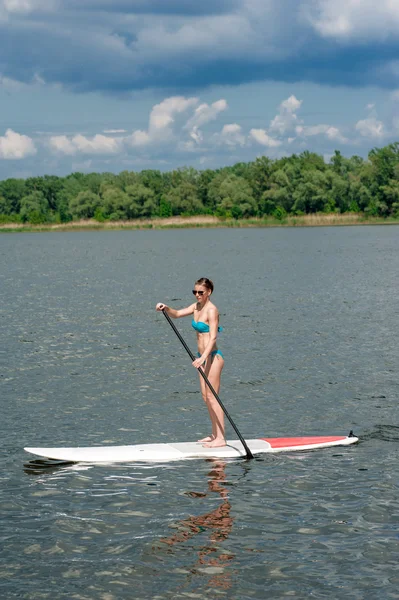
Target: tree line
point(299, 184)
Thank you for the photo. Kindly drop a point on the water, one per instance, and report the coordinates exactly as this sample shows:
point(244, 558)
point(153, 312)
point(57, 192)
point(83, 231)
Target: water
point(310, 322)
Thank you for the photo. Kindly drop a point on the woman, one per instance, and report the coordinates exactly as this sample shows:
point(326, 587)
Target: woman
point(206, 324)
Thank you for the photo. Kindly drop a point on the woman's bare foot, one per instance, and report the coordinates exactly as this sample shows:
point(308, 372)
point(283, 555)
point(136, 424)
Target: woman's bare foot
point(215, 443)
point(208, 438)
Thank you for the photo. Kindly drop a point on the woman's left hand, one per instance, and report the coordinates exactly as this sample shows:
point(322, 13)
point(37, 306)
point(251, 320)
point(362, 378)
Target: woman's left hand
point(198, 362)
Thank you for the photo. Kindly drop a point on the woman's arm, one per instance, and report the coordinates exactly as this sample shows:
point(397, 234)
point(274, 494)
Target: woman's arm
point(176, 314)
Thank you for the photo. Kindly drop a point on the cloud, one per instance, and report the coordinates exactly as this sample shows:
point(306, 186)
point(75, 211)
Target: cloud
point(98, 144)
point(139, 138)
point(371, 128)
point(13, 85)
point(262, 137)
point(26, 6)
point(181, 130)
point(163, 114)
point(125, 45)
point(332, 133)
point(10, 84)
point(162, 118)
point(357, 20)
point(16, 146)
point(205, 113)
point(231, 135)
point(163, 128)
point(174, 126)
point(286, 120)
point(174, 7)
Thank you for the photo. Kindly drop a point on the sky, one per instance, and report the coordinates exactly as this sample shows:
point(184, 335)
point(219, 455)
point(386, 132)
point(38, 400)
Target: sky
point(113, 85)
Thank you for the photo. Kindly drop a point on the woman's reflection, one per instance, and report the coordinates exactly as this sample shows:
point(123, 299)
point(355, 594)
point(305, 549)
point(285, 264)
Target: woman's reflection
point(217, 524)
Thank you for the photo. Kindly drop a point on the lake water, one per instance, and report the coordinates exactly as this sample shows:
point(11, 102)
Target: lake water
point(310, 339)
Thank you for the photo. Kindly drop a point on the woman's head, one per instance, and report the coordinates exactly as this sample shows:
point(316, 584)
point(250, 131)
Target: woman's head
point(203, 288)
point(204, 281)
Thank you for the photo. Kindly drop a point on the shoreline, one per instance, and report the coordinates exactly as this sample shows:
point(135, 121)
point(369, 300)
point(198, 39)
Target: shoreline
point(208, 221)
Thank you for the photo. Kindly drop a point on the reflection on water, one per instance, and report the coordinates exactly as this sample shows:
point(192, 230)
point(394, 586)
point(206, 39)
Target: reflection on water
point(215, 526)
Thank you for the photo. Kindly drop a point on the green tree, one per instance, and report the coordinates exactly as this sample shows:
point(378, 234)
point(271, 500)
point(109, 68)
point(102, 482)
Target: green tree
point(337, 192)
point(84, 205)
point(385, 165)
point(165, 208)
point(141, 201)
point(226, 192)
point(5, 206)
point(126, 178)
point(12, 191)
point(311, 194)
point(203, 182)
point(259, 175)
point(34, 208)
point(115, 204)
point(184, 199)
point(155, 181)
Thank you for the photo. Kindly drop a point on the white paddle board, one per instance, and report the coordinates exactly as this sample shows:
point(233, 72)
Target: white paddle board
point(188, 450)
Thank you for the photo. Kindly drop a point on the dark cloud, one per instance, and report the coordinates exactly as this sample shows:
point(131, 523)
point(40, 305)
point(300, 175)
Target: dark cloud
point(116, 55)
point(160, 7)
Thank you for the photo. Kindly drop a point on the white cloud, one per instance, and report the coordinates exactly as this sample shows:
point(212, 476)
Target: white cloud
point(331, 132)
point(61, 143)
point(10, 84)
point(163, 114)
point(98, 144)
point(262, 137)
point(231, 135)
point(16, 146)
point(175, 126)
point(160, 130)
point(138, 138)
point(205, 113)
point(353, 19)
point(26, 6)
point(291, 104)
point(13, 85)
point(162, 118)
point(196, 135)
point(286, 120)
point(219, 33)
point(371, 128)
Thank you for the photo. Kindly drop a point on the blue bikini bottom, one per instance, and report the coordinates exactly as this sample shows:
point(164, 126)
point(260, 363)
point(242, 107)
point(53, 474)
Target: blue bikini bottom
point(213, 354)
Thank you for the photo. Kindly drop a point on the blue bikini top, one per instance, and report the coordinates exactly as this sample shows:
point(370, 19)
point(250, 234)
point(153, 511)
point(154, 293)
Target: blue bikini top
point(202, 327)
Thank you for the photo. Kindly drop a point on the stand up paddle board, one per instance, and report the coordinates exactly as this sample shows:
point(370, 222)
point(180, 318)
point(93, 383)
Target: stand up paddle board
point(188, 450)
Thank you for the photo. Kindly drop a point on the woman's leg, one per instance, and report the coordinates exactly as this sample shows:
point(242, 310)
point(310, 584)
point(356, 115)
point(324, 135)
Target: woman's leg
point(213, 371)
point(204, 389)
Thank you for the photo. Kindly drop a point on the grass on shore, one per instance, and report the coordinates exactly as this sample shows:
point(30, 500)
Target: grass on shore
point(313, 220)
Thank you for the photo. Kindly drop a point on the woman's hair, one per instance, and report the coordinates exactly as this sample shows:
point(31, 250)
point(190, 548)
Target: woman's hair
point(206, 283)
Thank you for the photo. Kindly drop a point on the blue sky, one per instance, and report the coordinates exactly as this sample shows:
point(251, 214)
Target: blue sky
point(109, 85)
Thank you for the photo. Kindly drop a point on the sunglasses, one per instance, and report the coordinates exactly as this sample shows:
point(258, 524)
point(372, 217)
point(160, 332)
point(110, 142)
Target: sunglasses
point(199, 292)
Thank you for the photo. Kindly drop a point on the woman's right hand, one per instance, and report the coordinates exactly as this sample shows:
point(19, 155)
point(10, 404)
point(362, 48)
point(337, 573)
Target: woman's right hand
point(161, 306)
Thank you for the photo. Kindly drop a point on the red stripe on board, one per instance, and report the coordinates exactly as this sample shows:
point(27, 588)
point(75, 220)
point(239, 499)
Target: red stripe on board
point(303, 441)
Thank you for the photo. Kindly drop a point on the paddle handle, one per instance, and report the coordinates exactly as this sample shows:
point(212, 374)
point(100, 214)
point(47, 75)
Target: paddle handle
point(208, 383)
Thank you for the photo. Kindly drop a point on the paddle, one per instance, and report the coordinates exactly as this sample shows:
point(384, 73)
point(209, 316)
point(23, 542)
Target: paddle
point(208, 383)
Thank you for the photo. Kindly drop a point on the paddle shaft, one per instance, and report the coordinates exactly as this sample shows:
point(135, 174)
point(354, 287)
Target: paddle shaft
point(208, 383)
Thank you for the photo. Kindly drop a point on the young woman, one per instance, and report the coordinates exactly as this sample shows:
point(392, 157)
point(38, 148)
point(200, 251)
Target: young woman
point(206, 324)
